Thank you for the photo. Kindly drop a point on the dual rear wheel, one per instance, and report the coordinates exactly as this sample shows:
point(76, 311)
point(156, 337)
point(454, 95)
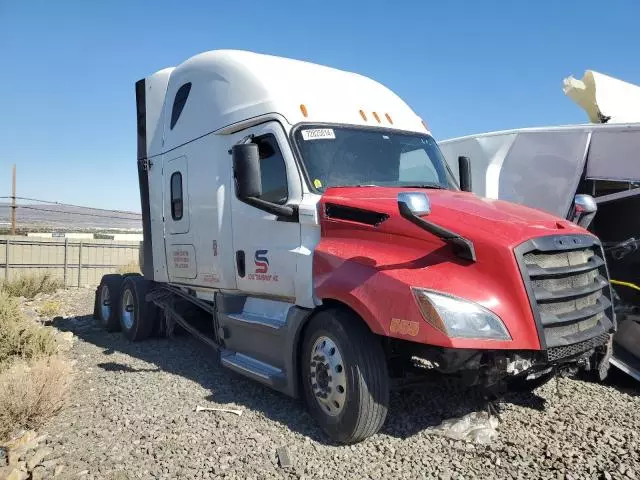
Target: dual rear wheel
point(121, 305)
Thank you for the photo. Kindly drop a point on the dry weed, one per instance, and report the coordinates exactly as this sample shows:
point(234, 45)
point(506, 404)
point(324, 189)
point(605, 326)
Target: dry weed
point(132, 267)
point(31, 286)
point(32, 392)
point(50, 309)
point(20, 337)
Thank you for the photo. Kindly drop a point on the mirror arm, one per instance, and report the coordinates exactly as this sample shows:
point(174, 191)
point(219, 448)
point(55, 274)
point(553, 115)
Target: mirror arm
point(242, 141)
point(462, 247)
point(287, 211)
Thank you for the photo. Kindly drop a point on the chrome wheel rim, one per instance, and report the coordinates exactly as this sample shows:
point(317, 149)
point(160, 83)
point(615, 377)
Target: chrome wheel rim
point(328, 378)
point(105, 302)
point(127, 313)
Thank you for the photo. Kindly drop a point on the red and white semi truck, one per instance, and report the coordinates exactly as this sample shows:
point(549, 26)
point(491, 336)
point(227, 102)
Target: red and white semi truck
point(302, 221)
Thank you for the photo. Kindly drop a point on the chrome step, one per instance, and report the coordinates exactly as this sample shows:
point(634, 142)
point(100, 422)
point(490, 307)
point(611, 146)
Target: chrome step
point(252, 368)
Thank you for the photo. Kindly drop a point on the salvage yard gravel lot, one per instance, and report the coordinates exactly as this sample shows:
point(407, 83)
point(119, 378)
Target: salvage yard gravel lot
point(132, 415)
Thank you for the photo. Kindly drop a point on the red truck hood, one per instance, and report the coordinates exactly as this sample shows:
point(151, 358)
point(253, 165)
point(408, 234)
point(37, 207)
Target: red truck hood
point(473, 217)
point(371, 262)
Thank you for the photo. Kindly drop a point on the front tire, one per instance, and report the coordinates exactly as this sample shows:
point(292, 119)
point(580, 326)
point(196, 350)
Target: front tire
point(137, 316)
point(344, 376)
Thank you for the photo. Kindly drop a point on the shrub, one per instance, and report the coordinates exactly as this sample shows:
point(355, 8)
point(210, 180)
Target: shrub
point(50, 308)
point(20, 337)
point(31, 286)
point(32, 392)
point(132, 267)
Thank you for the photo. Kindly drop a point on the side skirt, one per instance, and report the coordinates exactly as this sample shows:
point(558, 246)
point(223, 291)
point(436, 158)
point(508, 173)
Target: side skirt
point(255, 337)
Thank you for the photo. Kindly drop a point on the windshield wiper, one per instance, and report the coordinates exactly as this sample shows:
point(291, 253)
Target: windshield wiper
point(435, 186)
point(354, 185)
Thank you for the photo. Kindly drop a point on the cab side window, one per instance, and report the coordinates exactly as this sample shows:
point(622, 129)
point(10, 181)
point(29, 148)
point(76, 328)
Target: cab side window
point(176, 196)
point(272, 170)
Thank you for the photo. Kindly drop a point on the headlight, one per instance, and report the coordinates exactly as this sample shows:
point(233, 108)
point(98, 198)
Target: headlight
point(458, 318)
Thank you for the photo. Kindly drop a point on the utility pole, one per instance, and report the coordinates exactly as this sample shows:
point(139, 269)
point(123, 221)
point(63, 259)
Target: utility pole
point(13, 201)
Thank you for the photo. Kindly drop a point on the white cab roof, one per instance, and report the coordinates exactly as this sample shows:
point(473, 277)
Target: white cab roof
point(231, 86)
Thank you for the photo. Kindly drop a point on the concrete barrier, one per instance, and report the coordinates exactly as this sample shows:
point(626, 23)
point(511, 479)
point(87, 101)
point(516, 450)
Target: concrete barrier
point(78, 263)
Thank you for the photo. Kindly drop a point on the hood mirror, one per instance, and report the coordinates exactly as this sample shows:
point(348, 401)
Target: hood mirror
point(583, 210)
point(464, 169)
point(417, 202)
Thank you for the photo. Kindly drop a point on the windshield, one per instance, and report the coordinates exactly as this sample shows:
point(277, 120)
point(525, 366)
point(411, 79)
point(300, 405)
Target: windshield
point(342, 156)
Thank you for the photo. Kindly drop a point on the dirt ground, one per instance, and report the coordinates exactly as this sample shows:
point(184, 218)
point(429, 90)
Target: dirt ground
point(132, 415)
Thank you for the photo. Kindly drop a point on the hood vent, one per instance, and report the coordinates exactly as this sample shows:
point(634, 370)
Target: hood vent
point(351, 214)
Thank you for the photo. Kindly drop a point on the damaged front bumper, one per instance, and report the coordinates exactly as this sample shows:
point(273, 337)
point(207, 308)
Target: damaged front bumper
point(490, 367)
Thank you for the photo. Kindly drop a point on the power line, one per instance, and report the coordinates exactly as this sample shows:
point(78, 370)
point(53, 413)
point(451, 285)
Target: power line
point(71, 205)
point(39, 209)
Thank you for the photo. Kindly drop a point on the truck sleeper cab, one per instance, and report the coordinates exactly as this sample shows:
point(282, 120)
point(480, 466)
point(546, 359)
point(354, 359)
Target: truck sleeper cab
point(302, 221)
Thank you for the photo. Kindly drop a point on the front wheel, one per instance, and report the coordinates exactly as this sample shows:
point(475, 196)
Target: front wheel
point(344, 375)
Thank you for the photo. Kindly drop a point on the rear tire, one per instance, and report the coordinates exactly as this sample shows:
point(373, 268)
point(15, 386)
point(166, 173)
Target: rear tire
point(107, 299)
point(137, 316)
point(344, 376)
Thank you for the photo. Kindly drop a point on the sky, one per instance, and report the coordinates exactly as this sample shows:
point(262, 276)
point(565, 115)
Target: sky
point(68, 68)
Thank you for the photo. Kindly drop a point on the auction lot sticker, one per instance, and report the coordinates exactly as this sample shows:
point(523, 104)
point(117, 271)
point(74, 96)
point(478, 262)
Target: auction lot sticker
point(318, 134)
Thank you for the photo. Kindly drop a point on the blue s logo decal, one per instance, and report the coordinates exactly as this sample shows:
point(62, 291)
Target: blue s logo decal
point(261, 261)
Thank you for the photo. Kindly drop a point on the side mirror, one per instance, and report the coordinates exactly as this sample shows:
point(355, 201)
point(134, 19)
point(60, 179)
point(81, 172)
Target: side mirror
point(464, 170)
point(246, 170)
point(583, 210)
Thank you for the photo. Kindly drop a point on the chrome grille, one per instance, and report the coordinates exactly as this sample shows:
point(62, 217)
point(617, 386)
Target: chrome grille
point(568, 287)
point(560, 307)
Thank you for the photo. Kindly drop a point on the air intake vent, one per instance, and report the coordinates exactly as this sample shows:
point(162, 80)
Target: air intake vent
point(351, 214)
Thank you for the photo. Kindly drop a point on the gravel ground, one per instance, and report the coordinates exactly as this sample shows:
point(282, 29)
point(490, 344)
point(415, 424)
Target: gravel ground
point(132, 416)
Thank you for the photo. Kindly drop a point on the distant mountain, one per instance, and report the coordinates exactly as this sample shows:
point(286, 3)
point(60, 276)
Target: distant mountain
point(62, 218)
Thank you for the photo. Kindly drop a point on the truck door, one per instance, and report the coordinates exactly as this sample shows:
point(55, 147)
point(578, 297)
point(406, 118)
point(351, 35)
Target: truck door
point(181, 261)
point(265, 246)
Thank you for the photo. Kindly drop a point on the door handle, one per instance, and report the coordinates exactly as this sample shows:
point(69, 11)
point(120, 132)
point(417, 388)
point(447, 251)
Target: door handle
point(240, 263)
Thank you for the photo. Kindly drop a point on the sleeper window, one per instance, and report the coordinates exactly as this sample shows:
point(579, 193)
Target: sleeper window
point(272, 170)
point(178, 103)
point(176, 196)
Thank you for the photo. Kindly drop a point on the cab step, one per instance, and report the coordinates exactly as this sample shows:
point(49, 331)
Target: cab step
point(252, 368)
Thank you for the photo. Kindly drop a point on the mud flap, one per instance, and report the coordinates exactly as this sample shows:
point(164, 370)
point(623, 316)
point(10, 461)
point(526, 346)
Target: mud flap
point(602, 361)
point(95, 303)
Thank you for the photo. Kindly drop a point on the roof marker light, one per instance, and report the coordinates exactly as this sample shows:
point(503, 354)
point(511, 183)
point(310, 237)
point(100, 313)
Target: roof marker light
point(375, 115)
point(388, 118)
point(303, 109)
point(424, 124)
point(362, 114)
